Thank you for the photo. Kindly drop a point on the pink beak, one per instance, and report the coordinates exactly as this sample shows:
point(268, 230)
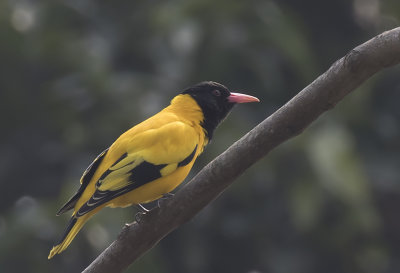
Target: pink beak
point(241, 98)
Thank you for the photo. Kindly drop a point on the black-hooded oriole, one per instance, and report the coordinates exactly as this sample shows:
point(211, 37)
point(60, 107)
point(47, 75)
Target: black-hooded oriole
point(152, 158)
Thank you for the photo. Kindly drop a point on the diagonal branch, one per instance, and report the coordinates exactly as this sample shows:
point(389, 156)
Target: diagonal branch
point(290, 120)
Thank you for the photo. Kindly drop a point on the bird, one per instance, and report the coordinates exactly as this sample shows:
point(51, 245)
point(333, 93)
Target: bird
point(152, 158)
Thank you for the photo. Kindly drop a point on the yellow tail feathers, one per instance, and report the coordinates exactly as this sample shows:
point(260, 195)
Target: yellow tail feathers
point(74, 225)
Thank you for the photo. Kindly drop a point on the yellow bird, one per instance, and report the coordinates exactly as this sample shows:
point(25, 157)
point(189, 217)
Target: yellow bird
point(152, 158)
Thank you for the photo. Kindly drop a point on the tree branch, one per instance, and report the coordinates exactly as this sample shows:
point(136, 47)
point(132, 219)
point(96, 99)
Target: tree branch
point(290, 120)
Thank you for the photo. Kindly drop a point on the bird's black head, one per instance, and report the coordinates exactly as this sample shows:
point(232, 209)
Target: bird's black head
point(216, 101)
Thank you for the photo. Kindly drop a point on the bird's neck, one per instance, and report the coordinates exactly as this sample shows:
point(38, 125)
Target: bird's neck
point(188, 109)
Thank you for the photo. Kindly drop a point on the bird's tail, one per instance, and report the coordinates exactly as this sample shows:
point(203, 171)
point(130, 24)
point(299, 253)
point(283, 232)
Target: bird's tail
point(74, 225)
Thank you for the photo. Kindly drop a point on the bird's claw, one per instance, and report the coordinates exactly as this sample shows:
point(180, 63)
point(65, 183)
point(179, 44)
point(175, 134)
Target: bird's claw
point(167, 195)
point(164, 197)
point(142, 211)
point(139, 215)
point(142, 208)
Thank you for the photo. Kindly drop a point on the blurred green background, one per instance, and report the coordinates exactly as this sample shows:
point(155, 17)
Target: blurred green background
point(75, 74)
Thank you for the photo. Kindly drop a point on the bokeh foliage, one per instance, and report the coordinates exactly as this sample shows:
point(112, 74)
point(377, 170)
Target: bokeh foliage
point(75, 74)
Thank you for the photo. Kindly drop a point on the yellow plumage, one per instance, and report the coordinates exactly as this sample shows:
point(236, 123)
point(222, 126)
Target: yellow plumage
point(152, 158)
point(166, 138)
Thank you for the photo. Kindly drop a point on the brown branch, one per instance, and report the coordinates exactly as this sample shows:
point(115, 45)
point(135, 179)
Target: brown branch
point(290, 120)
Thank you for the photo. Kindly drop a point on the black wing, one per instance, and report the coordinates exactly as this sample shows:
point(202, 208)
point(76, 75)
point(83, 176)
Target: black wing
point(140, 175)
point(85, 179)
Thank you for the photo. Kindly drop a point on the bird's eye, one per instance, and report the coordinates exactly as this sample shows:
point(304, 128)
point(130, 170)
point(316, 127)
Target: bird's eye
point(216, 93)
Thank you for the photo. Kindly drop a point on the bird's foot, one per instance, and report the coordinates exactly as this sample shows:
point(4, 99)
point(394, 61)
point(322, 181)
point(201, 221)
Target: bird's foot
point(142, 211)
point(138, 216)
point(165, 196)
point(142, 208)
